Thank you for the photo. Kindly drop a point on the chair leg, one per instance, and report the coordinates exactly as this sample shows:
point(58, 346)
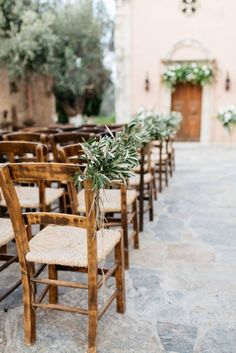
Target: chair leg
point(92, 314)
point(170, 165)
point(53, 290)
point(126, 238)
point(120, 277)
point(29, 311)
point(135, 225)
point(62, 203)
point(141, 206)
point(154, 185)
point(166, 173)
point(160, 178)
point(150, 201)
point(173, 159)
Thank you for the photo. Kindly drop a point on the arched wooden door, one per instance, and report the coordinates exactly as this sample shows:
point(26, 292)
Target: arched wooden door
point(187, 99)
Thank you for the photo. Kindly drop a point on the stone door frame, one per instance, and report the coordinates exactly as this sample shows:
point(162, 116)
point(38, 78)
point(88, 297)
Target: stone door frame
point(207, 99)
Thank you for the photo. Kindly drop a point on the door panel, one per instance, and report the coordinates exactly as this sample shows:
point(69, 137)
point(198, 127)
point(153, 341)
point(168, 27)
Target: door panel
point(187, 99)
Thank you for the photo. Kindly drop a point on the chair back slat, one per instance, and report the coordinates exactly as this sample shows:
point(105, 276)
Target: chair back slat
point(26, 136)
point(55, 218)
point(43, 171)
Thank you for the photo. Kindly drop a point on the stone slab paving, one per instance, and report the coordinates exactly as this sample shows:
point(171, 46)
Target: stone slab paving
point(181, 288)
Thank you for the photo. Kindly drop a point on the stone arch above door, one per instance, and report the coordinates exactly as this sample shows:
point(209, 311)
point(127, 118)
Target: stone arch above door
point(188, 49)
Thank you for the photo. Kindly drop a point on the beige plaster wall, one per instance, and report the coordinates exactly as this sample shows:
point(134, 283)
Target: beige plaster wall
point(155, 26)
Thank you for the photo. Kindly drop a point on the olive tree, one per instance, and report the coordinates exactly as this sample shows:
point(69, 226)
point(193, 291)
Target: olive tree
point(80, 75)
point(64, 41)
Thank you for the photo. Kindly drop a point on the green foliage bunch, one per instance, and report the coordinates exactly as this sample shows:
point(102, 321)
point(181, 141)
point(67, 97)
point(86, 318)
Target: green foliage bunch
point(135, 134)
point(196, 74)
point(153, 123)
point(158, 125)
point(113, 157)
point(227, 116)
point(172, 122)
point(108, 159)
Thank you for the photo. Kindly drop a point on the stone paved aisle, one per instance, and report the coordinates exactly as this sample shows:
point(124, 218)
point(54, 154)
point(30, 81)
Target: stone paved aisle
point(181, 288)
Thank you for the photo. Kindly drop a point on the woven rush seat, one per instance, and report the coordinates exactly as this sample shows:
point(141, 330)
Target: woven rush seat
point(135, 180)
point(6, 231)
point(67, 246)
point(29, 196)
point(111, 200)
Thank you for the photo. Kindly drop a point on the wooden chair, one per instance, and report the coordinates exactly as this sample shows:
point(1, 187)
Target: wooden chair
point(144, 183)
point(68, 242)
point(68, 138)
point(31, 137)
point(30, 195)
point(114, 202)
point(160, 162)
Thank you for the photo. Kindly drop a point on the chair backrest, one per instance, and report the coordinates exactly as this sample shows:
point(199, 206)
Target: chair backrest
point(21, 151)
point(68, 138)
point(11, 174)
point(26, 136)
point(71, 154)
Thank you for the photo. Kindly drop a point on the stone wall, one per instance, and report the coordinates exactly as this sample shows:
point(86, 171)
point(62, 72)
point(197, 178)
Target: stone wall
point(42, 100)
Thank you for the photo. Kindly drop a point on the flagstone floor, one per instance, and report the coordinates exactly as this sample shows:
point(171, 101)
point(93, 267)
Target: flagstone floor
point(181, 288)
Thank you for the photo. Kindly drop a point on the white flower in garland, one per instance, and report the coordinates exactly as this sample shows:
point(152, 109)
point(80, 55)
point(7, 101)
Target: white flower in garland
point(188, 73)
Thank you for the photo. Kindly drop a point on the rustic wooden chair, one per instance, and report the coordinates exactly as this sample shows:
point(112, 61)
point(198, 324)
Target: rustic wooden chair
point(114, 202)
point(144, 183)
point(68, 138)
point(160, 162)
point(68, 242)
point(31, 137)
point(30, 195)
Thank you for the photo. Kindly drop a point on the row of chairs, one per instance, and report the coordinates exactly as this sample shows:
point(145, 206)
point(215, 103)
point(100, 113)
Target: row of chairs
point(30, 191)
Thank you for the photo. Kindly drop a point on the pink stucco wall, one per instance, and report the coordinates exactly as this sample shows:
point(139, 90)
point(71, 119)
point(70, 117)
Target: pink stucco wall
point(156, 25)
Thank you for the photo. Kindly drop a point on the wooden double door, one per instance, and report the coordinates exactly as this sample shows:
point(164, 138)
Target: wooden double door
point(187, 99)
